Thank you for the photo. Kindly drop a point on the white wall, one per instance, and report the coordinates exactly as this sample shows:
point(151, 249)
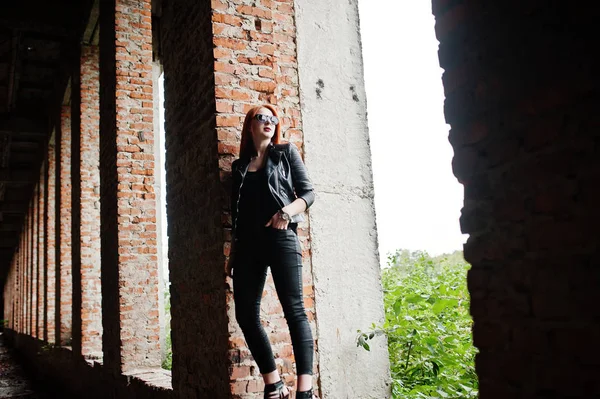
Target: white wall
point(348, 294)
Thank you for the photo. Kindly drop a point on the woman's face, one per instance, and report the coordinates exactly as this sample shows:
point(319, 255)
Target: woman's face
point(262, 130)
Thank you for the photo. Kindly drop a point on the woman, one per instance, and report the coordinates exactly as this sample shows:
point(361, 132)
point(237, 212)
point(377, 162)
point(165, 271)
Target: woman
point(270, 192)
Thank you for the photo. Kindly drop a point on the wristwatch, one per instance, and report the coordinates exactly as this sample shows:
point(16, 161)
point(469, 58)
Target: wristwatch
point(285, 216)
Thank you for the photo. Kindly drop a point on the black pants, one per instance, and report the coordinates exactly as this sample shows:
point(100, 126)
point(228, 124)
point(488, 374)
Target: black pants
point(280, 250)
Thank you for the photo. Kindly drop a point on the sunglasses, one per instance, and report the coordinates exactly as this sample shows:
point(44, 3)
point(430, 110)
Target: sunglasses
point(262, 118)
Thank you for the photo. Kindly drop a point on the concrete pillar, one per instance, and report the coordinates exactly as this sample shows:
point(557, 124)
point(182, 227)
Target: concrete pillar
point(346, 269)
point(50, 244)
point(64, 261)
point(131, 326)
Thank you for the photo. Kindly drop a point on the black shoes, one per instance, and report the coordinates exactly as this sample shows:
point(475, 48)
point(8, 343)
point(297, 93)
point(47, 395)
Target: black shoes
point(304, 395)
point(279, 388)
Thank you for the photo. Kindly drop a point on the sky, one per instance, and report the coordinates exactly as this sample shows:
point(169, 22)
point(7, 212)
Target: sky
point(417, 198)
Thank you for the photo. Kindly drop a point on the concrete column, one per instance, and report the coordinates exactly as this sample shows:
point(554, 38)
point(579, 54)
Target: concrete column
point(50, 244)
point(131, 327)
point(64, 261)
point(346, 270)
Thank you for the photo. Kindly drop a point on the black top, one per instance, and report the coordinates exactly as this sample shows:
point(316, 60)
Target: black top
point(257, 205)
point(288, 180)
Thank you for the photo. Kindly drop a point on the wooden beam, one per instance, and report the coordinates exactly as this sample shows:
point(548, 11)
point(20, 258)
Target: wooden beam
point(14, 71)
point(24, 146)
point(8, 242)
point(18, 176)
point(10, 228)
point(13, 207)
point(6, 255)
point(36, 29)
point(23, 125)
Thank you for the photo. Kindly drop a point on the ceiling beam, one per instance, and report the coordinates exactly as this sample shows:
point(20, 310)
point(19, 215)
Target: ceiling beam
point(23, 124)
point(23, 158)
point(90, 34)
point(10, 228)
point(32, 63)
point(43, 86)
point(14, 71)
point(13, 207)
point(36, 29)
point(18, 176)
point(24, 146)
point(8, 242)
point(6, 255)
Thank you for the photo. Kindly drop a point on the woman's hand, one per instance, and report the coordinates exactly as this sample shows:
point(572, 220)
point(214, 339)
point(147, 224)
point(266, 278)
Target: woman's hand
point(277, 222)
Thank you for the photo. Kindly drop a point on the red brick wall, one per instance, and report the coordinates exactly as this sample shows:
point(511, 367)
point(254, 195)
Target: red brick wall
point(34, 260)
point(50, 245)
point(41, 300)
point(521, 88)
point(255, 62)
point(76, 281)
point(194, 204)
point(29, 270)
point(21, 278)
point(65, 293)
point(250, 59)
point(10, 294)
point(91, 295)
point(128, 213)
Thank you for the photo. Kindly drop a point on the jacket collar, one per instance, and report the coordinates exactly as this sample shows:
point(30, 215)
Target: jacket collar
point(274, 155)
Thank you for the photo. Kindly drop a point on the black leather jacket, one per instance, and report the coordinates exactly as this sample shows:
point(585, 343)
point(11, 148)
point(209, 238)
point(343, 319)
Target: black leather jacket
point(286, 175)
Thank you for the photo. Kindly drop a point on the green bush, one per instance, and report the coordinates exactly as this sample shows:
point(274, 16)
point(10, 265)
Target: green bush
point(428, 326)
point(167, 362)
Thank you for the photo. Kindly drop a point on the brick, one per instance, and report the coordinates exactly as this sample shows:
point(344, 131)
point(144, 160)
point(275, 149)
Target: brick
point(91, 296)
point(244, 73)
point(64, 257)
point(522, 168)
point(133, 341)
point(50, 245)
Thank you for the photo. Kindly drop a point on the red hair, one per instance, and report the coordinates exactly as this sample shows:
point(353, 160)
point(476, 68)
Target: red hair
point(247, 149)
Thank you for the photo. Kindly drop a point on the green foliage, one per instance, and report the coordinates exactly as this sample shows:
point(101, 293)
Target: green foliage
point(167, 362)
point(428, 326)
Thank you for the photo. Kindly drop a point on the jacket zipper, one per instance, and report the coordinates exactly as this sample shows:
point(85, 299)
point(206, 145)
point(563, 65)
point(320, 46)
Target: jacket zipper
point(237, 204)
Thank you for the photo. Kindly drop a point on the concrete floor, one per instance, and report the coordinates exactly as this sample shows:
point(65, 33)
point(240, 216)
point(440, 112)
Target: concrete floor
point(14, 382)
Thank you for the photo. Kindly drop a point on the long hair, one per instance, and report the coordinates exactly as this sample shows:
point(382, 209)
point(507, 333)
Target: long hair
point(247, 148)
